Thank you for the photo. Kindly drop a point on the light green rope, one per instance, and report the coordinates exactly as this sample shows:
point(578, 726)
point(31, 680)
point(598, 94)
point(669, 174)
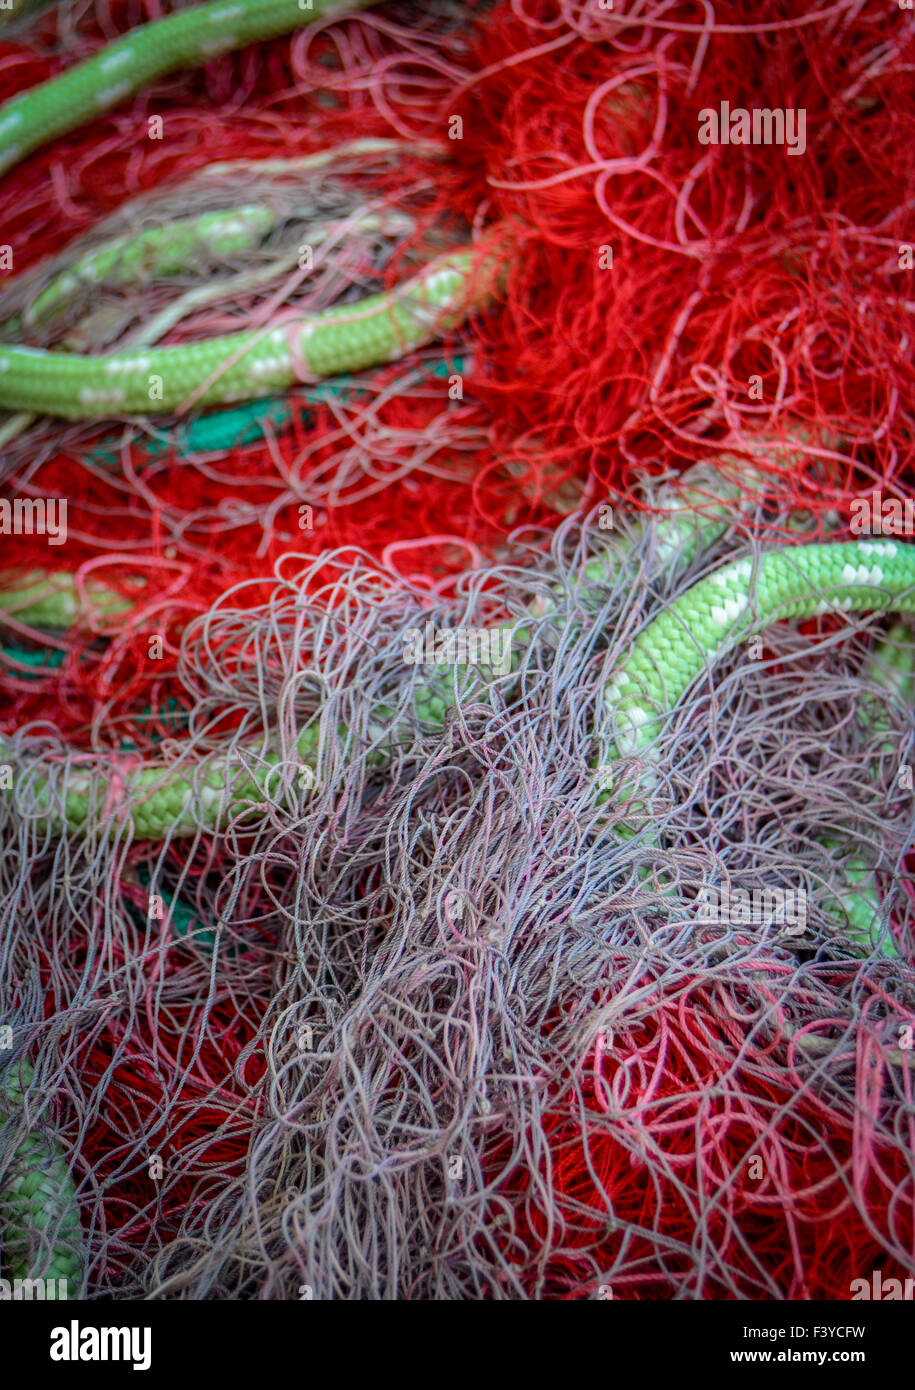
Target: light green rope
point(167, 250)
point(667, 657)
point(146, 53)
point(892, 665)
point(738, 601)
point(238, 366)
point(40, 599)
point(726, 609)
point(40, 1236)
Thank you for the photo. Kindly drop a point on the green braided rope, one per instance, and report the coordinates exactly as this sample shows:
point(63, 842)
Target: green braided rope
point(892, 665)
point(730, 606)
point(735, 603)
point(148, 52)
point(38, 1196)
point(237, 366)
point(234, 426)
point(667, 657)
point(165, 250)
point(53, 600)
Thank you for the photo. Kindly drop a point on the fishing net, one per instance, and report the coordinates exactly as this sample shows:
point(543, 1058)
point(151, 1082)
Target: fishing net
point(436, 1029)
point(433, 1026)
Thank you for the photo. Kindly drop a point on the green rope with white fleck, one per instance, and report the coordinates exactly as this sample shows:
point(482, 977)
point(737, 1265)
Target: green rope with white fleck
point(234, 367)
point(148, 52)
point(738, 601)
point(40, 1235)
point(238, 366)
point(668, 656)
point(165, 250)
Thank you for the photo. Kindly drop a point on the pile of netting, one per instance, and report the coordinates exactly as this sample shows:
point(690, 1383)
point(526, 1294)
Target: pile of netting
point(665, 302)
point(663, 298)
point(433, 1028)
